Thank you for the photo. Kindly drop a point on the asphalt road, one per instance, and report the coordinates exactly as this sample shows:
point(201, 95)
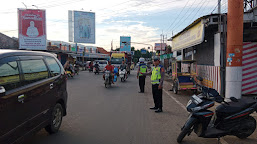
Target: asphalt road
point(120, 115)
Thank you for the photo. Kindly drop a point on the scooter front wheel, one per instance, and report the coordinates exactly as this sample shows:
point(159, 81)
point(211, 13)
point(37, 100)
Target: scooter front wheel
point(186, 130)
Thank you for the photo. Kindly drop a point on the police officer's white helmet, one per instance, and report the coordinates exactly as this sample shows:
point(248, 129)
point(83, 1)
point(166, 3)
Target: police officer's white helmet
point(141, 60)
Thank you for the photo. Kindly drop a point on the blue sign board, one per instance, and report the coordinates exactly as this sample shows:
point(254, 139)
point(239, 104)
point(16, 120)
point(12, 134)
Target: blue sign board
point(143, 51)
point(125, 43)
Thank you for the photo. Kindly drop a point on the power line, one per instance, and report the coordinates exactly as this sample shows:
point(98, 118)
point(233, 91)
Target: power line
point(198, 11)
point(177, 16)
point(179, 24)
point(183, 15)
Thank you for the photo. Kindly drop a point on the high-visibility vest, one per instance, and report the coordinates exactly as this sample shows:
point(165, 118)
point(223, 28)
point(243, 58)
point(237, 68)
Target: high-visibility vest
point(156, 75)
point(142, 69)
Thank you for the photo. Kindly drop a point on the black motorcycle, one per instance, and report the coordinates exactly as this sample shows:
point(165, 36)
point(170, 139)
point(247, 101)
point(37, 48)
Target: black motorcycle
point(96, 70)
point(230, 118)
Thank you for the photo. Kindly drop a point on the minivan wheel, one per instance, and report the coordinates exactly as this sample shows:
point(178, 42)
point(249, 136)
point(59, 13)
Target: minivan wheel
point(56, 119)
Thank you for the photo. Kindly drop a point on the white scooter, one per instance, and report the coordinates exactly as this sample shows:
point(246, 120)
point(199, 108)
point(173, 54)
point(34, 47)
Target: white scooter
point(122, 74)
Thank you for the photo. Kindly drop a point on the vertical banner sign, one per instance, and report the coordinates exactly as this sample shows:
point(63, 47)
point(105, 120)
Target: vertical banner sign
point(125, 43)
point(32, 29)
point(81, 27)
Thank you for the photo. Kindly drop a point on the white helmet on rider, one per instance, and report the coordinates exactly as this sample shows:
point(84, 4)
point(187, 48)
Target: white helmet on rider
point(141, 60)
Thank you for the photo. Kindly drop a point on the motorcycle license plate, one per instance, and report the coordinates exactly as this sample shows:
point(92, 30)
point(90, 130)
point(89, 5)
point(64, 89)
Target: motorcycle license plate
point(196, 99)
point(107, 75)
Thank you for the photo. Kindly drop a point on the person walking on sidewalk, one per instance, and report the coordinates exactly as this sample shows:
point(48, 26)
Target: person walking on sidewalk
point(157, 78)
point(142, 68)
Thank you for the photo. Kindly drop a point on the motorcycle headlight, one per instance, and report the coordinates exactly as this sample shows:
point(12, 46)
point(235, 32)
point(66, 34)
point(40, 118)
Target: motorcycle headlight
point(196, 109)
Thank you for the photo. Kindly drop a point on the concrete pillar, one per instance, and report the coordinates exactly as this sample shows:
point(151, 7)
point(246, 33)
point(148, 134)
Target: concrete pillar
point(234, 48)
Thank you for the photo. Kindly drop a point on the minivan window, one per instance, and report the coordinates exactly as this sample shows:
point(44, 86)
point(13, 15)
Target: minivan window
point(9, 75)
point(102, 62)
point(53, 66)
point(34, 70)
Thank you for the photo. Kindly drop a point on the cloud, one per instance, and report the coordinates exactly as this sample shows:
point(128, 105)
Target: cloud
point(113, 18)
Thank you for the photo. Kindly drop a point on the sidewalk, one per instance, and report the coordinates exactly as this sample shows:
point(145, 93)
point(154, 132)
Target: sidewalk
point(183, 97)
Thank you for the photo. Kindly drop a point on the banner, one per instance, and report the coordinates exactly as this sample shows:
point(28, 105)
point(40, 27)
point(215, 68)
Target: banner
point(125, 43)
point(81, 27)
point(191, 37)
point(160, 46)
point(32, 29)
point(166, 56)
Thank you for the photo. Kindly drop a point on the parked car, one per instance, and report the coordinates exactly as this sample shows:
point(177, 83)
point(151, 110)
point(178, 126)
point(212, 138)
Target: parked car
point(33, 94)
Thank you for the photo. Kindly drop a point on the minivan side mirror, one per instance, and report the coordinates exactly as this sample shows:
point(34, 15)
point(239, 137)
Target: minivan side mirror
point(2, 91)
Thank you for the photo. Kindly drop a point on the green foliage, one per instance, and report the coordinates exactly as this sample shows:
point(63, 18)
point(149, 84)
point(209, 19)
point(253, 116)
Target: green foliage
point(138, 54)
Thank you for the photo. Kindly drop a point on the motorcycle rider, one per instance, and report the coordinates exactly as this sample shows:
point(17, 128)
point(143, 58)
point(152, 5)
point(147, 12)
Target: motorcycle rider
point(96, 66)
point(124, 66)
point(110, 68)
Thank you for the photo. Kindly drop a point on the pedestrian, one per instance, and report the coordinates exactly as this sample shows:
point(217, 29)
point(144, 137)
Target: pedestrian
point(157, 79)
point(142, 68)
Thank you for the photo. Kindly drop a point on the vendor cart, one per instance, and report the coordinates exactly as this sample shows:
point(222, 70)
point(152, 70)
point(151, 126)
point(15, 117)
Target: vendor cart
point(182, 73)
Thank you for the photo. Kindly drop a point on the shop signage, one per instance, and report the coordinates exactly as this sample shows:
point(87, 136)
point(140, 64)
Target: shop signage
point(191, 37)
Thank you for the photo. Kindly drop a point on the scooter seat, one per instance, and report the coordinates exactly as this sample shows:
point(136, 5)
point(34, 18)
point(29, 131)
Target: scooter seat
point(235, 107)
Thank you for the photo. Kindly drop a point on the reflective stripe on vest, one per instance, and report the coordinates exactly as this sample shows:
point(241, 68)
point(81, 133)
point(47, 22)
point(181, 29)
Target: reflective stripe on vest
point(142, 69)
point(156, 75)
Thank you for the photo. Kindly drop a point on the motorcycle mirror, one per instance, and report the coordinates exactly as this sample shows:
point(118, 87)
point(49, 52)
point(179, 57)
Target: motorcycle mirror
point(233, 99)
point(200, 78)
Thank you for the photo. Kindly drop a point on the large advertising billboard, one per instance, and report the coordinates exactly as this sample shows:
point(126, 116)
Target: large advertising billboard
point(81, 27)
point(32, 29)
point(125, 43)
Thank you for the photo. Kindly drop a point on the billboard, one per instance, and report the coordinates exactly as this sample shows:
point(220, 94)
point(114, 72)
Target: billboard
point(81, 27)
point(160, 46)
point(125, 43)
point(32, 29)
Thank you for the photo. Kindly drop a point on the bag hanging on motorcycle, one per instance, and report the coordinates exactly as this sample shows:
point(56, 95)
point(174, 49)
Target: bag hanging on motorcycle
point(115, 78)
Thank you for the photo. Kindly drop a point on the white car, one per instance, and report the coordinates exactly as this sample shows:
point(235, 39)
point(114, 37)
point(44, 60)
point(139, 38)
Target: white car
point(102, 64)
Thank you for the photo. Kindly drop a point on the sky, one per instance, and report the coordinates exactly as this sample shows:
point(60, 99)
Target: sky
point(143, 20)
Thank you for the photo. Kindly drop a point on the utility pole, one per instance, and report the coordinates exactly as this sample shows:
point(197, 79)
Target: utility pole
point(234, 48)
point(219, 6)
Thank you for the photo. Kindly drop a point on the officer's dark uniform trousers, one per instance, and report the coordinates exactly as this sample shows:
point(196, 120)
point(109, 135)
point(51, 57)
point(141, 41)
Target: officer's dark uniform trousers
point(157, 96)
point(142, 83)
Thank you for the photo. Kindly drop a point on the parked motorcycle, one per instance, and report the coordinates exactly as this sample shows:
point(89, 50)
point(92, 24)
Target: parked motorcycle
point(230, 118)
point(122, 74)
point(108, 79)
point(70, 71)
point(76, 66)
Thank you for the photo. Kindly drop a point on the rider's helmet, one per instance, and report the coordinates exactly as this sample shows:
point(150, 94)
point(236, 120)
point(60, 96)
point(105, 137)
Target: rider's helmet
point(141, 60)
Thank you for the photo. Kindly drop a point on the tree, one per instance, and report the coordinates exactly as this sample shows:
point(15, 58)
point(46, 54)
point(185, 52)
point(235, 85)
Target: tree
point(117, 49)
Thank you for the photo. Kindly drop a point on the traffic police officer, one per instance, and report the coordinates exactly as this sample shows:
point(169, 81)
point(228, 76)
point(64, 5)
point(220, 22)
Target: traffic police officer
point(157, 79)
point(142, 68)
